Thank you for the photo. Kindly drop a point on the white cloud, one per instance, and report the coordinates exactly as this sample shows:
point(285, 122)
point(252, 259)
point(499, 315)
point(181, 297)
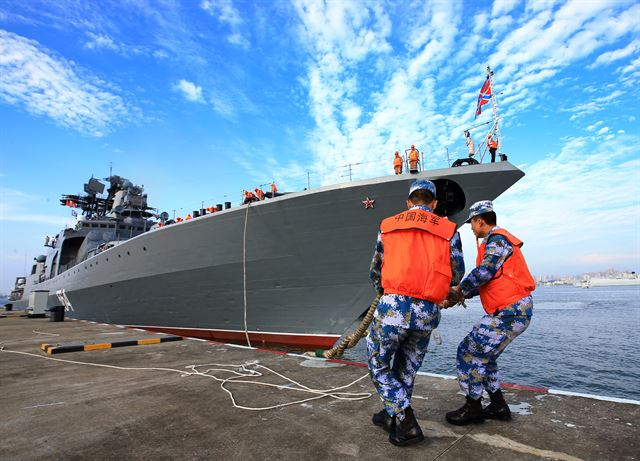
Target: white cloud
point(615, 55)
point(603, 130)
point(501, 7)
point(45, 85)
point(190, 91)
point(227, 14)
point(559, 206)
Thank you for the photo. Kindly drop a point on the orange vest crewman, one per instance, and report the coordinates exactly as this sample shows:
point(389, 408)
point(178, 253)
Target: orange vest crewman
point(188, 217)
point(259, 193)
point(414, 158)
point(413, 267)
point(397, 163)
point(274, 189)
point(505, 284)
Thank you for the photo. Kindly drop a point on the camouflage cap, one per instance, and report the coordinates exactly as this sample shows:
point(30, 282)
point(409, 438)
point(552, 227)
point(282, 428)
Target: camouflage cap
point(422, 184)
point(478, 208)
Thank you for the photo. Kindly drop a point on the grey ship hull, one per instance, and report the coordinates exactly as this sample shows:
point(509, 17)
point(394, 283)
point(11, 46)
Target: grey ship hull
point(307, 264)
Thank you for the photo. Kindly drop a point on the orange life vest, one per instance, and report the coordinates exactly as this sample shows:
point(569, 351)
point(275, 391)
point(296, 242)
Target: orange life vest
point(417, 259)
point(397, 161)
point(259, 193)
point(413, 155)
point(511, 283)
point(274, 189)
point(188, 217)
point(492, 143)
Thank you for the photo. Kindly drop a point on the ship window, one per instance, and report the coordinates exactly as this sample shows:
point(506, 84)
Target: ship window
point(122, 227)
point(144, 248)
point(140, 228)
point(103, 225)
point(128, 253)
point(107, 259)
point(119, 256)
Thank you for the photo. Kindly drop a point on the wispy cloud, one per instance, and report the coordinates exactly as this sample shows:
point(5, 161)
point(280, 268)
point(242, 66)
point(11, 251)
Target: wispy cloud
point(15, 203)
point(228, 15)
point(560, 206)
point(44, 84)
point(615, 55)
point(189, 90)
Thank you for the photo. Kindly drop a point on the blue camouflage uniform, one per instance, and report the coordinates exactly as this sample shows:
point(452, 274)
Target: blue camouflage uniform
point(400, 332)
point(479, 350)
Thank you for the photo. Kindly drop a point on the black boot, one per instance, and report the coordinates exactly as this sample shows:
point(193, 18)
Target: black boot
point(498, 408)
point(383, 420)
point(407, 431)
point(471, 412)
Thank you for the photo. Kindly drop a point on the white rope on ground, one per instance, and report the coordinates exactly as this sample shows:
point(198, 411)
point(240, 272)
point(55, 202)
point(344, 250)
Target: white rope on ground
point(244, 372)
point(244, 272)
point(45, 333)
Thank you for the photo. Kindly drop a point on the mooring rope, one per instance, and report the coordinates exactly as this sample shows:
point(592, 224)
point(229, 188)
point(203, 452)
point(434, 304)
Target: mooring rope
point(351, 340)
point(237, 371)
point(244, 273)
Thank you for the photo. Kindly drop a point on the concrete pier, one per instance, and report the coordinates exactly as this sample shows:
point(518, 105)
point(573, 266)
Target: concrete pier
point(53, 409)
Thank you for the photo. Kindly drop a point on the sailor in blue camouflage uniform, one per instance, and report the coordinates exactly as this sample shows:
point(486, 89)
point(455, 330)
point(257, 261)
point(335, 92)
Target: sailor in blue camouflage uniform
point(402, 324)
point(504, 284)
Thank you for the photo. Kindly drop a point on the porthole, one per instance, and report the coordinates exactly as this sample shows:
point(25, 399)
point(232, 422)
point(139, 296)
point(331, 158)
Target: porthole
point(119, 256)
point(144, 248)
point(128, 254)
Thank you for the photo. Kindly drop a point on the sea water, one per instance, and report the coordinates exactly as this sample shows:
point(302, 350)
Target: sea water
point(580, 340)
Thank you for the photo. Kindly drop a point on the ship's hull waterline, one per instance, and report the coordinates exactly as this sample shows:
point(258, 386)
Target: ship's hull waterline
point(305, 259)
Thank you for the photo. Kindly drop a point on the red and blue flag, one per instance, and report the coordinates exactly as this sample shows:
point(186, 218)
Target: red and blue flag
point(485, 95)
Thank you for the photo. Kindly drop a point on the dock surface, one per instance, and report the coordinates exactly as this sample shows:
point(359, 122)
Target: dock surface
point(53, 409)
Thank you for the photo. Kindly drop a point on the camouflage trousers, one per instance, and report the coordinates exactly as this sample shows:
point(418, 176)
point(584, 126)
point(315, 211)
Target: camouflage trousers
point(479, 350)
point(395, 355)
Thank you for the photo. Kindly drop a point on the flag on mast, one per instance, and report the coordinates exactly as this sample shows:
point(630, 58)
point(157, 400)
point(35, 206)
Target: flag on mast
point(485, 95)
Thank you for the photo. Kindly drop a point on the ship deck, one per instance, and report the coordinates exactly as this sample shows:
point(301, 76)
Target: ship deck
point(60, 410)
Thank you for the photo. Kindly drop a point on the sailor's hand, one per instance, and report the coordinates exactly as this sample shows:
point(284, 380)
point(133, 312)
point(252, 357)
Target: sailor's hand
point(453, 298)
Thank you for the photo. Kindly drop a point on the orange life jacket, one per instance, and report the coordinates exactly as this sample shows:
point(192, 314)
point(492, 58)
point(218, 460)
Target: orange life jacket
point(417, 259)
point(397, 161)
point(178, 219)
point(274, 189)
point(511, 283)
point(492, 143)
point(259, 193)
point(413, 155)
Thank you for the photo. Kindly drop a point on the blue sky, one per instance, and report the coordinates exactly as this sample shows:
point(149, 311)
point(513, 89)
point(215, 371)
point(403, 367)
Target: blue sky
point(199, 100)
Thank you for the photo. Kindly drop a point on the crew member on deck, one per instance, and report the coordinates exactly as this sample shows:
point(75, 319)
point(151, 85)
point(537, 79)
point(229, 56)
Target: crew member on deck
point(504, 284)
point(414, 159)
point(259, 193)
point(492, 144)
point(249, 197)
point(470, 145)
point(418, 256)
point(188, 217)
point(274, 189)
point(397, 163)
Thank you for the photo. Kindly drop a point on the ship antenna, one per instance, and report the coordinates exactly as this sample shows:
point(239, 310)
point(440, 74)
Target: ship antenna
point(110, 169)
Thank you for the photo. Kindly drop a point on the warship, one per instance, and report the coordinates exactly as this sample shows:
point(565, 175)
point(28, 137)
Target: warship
point(290, 269)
